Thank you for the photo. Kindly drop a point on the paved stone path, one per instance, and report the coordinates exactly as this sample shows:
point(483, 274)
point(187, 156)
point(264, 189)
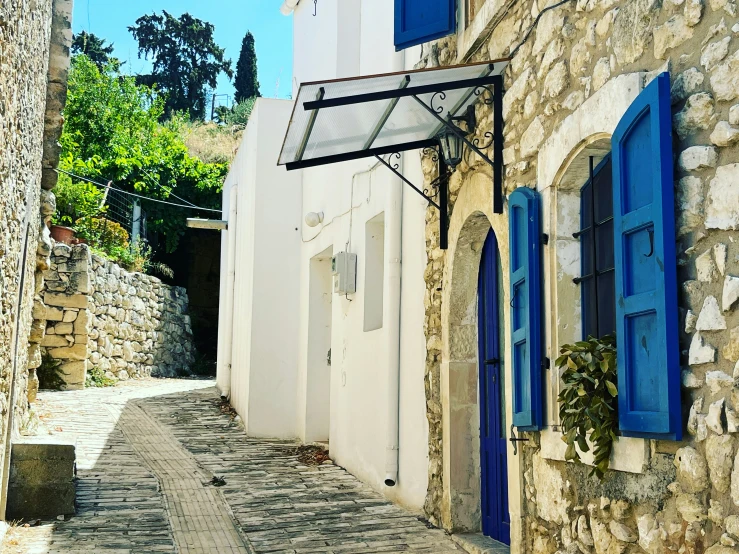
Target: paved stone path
point(146, 453)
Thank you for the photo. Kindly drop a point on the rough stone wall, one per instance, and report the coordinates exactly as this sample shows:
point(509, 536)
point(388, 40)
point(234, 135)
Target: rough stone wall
point(99, 315)
point(140, 326)
point(688, 499)
point(24, 41)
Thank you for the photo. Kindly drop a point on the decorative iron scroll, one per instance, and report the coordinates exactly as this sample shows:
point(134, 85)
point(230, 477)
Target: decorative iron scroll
point(432, 153)
point(442, 97)
point(480, 90)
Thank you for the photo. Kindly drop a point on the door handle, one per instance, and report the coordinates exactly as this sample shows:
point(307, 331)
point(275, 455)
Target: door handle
point(491, 361)
point(514, 439)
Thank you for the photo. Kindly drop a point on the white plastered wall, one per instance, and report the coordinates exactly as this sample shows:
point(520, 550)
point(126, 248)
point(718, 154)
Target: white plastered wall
point(264, 355)
point(349, 194)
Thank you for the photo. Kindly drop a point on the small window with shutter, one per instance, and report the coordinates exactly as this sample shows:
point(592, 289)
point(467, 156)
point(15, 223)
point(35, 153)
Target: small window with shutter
point(419, 21)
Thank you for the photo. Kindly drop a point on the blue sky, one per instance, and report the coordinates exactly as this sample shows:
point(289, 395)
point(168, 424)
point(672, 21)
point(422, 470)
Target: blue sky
point(232, 18)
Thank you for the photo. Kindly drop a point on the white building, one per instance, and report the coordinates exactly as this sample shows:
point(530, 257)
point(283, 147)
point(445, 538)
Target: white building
point(298, 359)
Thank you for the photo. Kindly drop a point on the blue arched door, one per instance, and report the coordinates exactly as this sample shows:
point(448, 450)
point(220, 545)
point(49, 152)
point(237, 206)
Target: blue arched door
point(496, 521)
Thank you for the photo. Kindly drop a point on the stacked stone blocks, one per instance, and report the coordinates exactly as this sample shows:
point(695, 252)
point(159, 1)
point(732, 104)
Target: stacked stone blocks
point(96, 314)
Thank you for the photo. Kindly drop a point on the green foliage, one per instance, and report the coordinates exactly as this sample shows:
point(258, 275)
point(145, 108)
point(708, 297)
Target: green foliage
point(159, 268)
point(112, 132)
point(50, 373)
point(238, 115)
point(75, 200)
point(185, 58)
point(94, 48)
point(96, 378)
point(246, 82)
point(101, 233)
point(588, 406)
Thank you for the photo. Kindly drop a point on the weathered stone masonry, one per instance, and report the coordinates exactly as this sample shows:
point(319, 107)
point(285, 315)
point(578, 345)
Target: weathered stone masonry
point(34, 52)
point(96, 314)
point(687, 498)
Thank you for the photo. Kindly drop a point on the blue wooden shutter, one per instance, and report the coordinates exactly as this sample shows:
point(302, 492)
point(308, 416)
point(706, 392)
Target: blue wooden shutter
point(419, 21)
point(646, 281)
point(525, 243)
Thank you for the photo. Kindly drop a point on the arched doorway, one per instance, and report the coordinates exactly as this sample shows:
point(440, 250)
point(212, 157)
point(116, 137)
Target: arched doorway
point(496, 520)
point(470, 224)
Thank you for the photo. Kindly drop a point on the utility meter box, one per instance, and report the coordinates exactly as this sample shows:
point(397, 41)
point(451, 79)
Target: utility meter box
point(344, 269)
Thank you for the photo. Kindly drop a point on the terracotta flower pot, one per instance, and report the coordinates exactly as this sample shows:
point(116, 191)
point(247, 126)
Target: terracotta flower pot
point(62, 234)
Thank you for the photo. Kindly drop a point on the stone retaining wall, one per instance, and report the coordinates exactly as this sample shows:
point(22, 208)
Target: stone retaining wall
point(100, 315)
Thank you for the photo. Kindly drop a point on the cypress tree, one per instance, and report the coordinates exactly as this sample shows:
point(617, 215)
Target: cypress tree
point(246, 83)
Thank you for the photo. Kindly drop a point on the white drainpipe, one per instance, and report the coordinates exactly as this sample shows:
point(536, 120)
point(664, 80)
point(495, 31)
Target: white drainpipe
point(223, 368)
point(288, 6)
point(394, 256)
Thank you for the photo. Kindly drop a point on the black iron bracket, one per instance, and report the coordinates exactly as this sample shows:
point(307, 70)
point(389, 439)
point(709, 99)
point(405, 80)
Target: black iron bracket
point(442, 183)
point(394, 167)
point(515, 440)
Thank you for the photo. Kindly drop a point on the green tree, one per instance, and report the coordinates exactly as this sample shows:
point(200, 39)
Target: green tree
point(94, 48)
point(112, 131)
point(185, 58)
point(246, 82)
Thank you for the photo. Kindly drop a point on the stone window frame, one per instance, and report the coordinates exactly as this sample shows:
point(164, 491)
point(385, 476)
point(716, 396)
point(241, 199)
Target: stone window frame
point(562, 167)
point(471, 36)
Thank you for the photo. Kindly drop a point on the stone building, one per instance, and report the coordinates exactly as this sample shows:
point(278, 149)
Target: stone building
point(35, 36)
point(584, 79)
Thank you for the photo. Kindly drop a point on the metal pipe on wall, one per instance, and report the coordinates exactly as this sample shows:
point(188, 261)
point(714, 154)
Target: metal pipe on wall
point(394, 256)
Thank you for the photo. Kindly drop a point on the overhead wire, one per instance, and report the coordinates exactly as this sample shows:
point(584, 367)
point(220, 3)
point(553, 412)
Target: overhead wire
point(148, 198)
point(153, 180)
point(526, 36)
point(534, 24)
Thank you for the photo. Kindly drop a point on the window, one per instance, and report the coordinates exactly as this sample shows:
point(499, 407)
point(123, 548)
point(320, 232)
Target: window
point(374, 272)
point(597, 281)
point(419, 21)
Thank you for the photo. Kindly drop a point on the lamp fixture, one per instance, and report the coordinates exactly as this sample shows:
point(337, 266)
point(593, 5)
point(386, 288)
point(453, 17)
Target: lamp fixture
point(451, 137)
point(313, 219)
point(451, 147)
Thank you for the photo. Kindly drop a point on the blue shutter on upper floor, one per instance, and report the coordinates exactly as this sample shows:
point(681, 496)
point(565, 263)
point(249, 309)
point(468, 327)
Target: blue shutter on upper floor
point(526, 307)
point(645, 262)
point(419, 21)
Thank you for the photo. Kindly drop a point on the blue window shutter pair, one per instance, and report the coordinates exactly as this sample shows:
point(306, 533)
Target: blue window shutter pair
point(646, 278)
point(526, 307)
point(419, 21)
point(646, 272)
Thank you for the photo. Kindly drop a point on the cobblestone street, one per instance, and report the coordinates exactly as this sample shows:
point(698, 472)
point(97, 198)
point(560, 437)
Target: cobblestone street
point(147, 452)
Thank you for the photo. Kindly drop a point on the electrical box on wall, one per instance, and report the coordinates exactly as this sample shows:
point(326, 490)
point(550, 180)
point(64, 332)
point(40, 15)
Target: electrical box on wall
point(344, 269)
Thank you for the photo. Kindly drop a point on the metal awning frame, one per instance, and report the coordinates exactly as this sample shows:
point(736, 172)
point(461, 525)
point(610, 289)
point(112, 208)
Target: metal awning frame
point(492, 84)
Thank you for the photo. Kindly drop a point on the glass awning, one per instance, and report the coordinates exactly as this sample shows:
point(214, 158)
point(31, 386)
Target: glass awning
point(346, 119)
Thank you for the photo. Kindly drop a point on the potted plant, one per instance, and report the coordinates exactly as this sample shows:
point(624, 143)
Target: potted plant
point(60, 233)
point(74, 200)
point(588, 399)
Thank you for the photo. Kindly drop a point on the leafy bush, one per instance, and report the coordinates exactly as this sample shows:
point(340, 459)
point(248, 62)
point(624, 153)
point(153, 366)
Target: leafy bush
point(588, 405)
point(75, 200)
point(96, 378)
point(102, 233)
point(50, 373)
